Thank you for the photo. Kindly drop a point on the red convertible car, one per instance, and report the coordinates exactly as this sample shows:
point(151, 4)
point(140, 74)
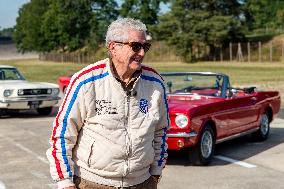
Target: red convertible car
point(205, 110)
point(63, 82)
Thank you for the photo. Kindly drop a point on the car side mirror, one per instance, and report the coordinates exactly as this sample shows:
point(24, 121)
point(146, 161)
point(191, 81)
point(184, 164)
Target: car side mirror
point(169, 85)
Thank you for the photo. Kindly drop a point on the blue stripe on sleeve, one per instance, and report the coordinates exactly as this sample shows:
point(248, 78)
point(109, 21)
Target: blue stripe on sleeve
point(149, 78)
point(73, 99)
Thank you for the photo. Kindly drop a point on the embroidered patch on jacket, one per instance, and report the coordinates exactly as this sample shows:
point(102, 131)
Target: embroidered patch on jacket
point(104, 107)
point(144, 106)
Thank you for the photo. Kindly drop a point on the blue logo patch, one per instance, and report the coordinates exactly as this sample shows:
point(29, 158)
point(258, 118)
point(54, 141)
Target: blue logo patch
point(144, 106)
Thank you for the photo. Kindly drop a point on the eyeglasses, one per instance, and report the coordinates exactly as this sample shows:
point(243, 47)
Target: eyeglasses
point(136, 46)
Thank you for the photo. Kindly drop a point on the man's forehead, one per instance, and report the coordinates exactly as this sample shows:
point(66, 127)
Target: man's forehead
point(136, 34)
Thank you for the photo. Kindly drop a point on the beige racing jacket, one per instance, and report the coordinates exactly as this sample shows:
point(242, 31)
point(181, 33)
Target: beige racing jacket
point(107, 135)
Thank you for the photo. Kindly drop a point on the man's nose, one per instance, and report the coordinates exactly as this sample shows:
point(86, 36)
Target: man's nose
point(141, 52)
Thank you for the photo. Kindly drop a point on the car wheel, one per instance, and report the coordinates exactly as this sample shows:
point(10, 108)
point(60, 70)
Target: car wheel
point(264, 128)
point(202, 153)
point(44, 111)
point(3, 112)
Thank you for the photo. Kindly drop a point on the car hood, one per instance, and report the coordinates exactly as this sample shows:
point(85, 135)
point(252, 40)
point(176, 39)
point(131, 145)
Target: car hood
point(26, 85)
point(184, 104)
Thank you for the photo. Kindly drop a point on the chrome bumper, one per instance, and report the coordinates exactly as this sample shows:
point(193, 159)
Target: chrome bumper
point(30, 103)
point(15, 100)
point(182, 135)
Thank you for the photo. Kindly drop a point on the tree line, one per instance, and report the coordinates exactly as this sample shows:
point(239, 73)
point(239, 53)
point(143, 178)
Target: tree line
point(80, 25)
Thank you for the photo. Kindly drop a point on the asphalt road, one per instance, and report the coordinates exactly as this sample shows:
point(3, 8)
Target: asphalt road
point(241, 163)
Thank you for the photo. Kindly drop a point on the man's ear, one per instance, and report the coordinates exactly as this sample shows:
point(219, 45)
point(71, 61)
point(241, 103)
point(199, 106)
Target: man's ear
point(111, 49)
point(111, 46)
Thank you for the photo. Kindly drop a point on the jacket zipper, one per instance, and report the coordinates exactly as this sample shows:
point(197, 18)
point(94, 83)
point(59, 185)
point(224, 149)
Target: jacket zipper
point(127, 139)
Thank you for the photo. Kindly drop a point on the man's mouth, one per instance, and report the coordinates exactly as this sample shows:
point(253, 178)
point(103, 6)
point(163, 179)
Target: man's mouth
point(137, 59)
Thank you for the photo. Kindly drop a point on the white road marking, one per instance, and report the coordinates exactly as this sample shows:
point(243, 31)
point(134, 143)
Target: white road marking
point(42, 159)
point(241, 163)
point(2, 185)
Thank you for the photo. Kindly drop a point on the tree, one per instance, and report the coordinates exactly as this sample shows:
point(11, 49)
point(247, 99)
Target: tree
point(63, 25)
point(6, 32)
point(264, 14)
point(28, 34)
point(193, 22)
point(147, 11)
point(103, 13)
point(66, 24)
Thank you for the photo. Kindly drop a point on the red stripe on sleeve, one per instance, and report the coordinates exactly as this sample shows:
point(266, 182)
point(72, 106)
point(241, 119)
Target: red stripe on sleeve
point(57, 163)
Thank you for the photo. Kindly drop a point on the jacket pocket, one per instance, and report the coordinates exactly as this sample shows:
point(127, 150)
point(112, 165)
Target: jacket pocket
point(83, 148)
point(106, 155)
point(148, 154)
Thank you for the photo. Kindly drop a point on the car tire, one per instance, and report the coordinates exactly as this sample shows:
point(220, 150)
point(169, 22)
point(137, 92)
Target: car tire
point(203, 152)
point(44, 111)
point(2, 112)
point(264, 128)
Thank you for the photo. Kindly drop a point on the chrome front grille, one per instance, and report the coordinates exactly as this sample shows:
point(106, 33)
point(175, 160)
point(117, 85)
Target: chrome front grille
point(31, 92)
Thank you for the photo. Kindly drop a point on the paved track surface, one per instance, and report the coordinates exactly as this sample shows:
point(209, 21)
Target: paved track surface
point(241, 163)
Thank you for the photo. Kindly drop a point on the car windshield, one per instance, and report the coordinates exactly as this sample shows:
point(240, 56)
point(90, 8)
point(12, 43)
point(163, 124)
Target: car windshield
point(10, 74)
point(196, 83)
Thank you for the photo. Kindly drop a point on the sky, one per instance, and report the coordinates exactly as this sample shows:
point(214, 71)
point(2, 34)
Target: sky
point(9, 12)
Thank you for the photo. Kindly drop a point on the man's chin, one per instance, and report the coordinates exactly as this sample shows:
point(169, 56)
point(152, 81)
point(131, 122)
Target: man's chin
point(135, 65)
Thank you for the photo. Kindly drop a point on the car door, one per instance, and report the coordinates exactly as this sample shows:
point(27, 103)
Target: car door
point(242, 112)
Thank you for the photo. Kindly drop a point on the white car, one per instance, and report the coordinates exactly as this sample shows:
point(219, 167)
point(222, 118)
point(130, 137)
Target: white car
point(16, 93)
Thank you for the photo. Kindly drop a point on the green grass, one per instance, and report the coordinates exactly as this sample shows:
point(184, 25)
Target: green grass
point(35, 70)
point(239, 72)
point(268, 76)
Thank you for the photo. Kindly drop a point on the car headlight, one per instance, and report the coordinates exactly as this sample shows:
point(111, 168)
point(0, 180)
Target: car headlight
point(55, 91)
point(181, 121)
point(8, 92)
point(20, 92)
point(49, 91)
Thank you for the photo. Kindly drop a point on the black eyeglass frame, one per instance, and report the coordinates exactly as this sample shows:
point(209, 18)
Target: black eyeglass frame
point(136, 46)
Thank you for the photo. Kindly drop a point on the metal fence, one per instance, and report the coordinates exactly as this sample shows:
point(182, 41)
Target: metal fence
point(253, 52)
point(68, 57)
point(241, 52)
point(159, 53)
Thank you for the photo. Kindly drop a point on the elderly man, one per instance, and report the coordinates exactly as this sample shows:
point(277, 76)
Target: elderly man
point(110, 131)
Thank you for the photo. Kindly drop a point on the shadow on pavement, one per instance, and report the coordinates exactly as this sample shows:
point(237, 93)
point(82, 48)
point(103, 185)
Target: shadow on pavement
point(178, 158)
point(240, 149)
point(246, 147)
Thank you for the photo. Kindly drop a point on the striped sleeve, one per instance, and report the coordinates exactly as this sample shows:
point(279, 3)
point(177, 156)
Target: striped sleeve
point(160, 138)
point(160, 144)
point(66, 126)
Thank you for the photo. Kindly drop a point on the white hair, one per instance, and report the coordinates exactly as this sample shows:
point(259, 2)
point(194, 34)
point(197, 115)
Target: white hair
point(118, 29)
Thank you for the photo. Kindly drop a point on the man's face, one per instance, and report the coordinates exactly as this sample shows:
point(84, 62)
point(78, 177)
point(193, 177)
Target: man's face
point(124, 54)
